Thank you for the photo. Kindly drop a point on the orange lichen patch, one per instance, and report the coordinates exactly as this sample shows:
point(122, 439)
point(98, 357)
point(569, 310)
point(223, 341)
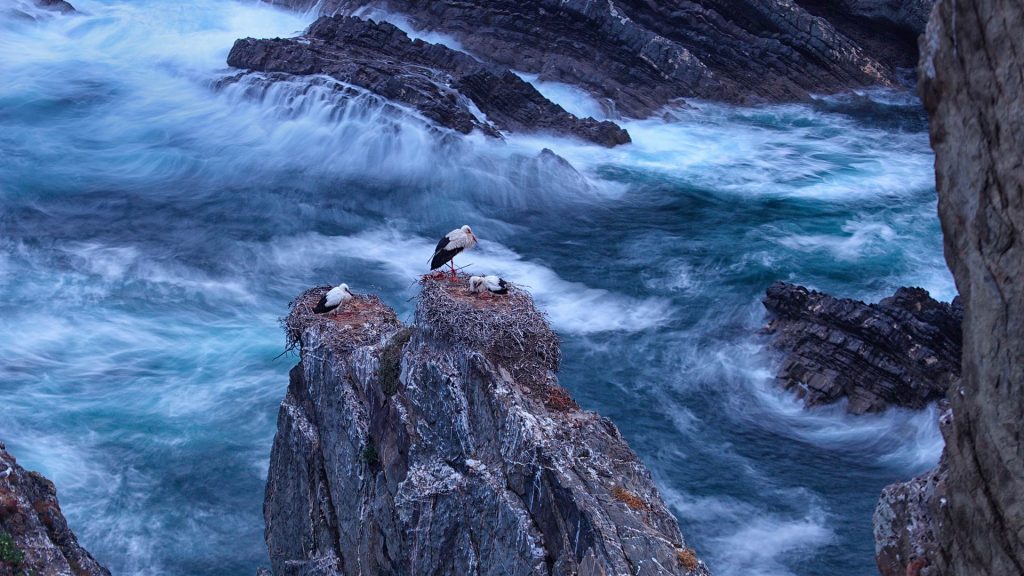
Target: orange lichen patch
point(688, 559)
point(557, 398)
point(630, 499)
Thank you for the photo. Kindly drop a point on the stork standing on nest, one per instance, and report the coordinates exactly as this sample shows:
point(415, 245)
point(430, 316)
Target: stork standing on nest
point(453, 243)
point(488, 285)
point(334, 298)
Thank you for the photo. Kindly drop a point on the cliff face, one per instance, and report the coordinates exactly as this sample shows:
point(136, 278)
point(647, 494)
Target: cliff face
point(34, 537)
point(447, 447)
point(902, 351)
point(972, 83)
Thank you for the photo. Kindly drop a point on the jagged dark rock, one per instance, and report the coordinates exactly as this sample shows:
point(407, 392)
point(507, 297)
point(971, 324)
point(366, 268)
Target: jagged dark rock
point(972, 82)
point(442, 84)
point(636, 56)
point(448, 447)
point(34, 536)
point(57, 5)
point(903, 351)
point(905, 527)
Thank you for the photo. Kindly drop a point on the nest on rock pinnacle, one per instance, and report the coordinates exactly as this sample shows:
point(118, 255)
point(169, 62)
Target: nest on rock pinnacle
point(358, 322)
point(507, 327)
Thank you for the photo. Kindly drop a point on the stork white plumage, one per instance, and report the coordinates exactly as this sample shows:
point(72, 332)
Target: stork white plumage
point(453, 243)
point(488, 284)
point(333, 300)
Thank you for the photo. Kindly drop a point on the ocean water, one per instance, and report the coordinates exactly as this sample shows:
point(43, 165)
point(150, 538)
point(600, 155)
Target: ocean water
point(153, 229)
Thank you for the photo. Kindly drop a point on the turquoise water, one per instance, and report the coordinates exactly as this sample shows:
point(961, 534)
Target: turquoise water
point(153, 230)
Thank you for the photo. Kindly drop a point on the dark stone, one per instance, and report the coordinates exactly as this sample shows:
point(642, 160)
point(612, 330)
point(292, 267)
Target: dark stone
point(472, 472)
point(636, 56)
point(441, 83)
point(56, 5)
point(903, 351)
point(31, 516)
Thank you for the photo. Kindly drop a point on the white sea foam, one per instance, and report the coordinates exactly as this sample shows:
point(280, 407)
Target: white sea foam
point(573, 99)
point(743, 539)
point(858, 239)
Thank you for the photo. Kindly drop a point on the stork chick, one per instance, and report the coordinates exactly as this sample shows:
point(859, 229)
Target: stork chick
point(487, 285)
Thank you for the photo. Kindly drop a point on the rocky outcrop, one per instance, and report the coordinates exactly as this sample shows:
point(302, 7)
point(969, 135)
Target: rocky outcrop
point(448, 447)
point(636, 56)
point(902, 351)
point(972, 84)
point(56, 5)
point(905, 520)
point(449, 87)
point(34, 537)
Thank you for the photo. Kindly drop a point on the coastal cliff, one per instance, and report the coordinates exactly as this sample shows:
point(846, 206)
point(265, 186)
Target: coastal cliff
point(34, 536)
point(448, 447)
point(972, 84)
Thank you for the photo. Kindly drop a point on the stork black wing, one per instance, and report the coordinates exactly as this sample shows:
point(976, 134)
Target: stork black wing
point(502, 287)
point(442, 256)
point(321, 306)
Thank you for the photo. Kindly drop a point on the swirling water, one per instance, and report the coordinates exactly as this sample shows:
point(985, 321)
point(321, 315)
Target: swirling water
point(154, 228)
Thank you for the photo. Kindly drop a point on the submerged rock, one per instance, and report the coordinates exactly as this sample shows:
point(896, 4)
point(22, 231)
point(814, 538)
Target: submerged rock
point(448, 447)
point(34, 537)
point(902, 351)
point(449, 87)
point(56, 5)
point(636, 56)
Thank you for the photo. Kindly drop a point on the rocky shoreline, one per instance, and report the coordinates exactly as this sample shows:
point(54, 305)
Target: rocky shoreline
point(633, 58)
point(448, 447)
point(903, 351)
point(446, 86)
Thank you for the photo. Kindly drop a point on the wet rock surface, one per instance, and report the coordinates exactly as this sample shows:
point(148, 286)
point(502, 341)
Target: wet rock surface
point(34, 536)
point(449, 87)
point(903, 351)
point(448, 447)
point(636, 56)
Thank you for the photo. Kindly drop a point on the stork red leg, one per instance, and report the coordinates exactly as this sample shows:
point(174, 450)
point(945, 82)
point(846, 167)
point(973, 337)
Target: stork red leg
point(452, 264)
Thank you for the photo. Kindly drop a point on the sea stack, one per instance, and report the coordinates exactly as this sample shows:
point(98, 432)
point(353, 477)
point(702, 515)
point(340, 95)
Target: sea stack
point(448, 447)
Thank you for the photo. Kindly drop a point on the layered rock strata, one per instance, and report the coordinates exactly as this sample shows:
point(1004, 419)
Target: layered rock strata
point(902, 351)
point(448, 447)
point(446, 86)
point(636, 56)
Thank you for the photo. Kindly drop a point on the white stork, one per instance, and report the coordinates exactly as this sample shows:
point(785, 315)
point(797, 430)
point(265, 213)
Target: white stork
point(453, 242)
point(334, 298)
point(488, 284)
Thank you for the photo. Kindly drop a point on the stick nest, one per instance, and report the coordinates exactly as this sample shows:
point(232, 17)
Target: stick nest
point(358, 322)
point(508, 328)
